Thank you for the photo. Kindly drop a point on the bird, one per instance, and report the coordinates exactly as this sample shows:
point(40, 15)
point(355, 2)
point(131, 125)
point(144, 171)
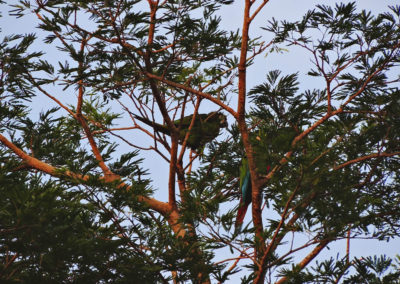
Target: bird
point(269, 144)
point(206, 128)
point(245, 192)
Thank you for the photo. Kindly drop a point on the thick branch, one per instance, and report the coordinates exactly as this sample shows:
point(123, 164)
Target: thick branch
point(256, 188)
point(154, 204)
point(161, 104)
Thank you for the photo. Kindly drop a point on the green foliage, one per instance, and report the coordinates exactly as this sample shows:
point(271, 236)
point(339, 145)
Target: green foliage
point(333, 150)
point(366, 270)
point(57, 234)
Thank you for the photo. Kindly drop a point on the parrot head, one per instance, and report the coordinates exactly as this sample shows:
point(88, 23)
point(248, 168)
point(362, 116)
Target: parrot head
point(217, 118)
point(223, 122)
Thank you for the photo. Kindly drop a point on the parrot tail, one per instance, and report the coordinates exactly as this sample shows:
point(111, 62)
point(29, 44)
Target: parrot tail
point(159, 127)
point(246, 189)
point(241, 213)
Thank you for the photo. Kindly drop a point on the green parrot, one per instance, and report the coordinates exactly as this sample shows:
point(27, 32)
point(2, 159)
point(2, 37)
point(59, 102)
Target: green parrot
point(269, 145)
point(245, 188)
point(205, 128)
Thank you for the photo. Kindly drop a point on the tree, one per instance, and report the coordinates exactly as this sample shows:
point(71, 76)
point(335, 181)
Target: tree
point(78, 207)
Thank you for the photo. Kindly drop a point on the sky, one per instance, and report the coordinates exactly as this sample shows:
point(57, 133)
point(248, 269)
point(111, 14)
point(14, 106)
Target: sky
point(293, 61)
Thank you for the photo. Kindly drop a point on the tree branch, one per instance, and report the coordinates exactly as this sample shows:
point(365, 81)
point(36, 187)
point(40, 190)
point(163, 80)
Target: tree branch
point(359, 159)
point(193, 91)
point(308, 258)
point(160, 207)
point(258, 10)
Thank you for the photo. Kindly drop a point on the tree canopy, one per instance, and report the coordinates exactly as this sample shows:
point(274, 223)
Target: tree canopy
point(136, 77)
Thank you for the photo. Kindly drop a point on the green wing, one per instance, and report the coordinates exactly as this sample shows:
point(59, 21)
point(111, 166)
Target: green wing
point(243, 170)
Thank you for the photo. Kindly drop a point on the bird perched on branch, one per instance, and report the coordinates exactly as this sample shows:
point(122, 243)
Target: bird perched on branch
point(205, 128)
point(246, 189)
point(269, 144)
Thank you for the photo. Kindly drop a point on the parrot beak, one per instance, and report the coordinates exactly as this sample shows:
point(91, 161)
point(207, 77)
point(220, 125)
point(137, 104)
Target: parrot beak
point(223, 121)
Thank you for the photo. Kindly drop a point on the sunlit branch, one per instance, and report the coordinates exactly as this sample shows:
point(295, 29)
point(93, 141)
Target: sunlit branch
point(322, 244)
point(367, 157)
point(154, 204)
point(258, 10)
